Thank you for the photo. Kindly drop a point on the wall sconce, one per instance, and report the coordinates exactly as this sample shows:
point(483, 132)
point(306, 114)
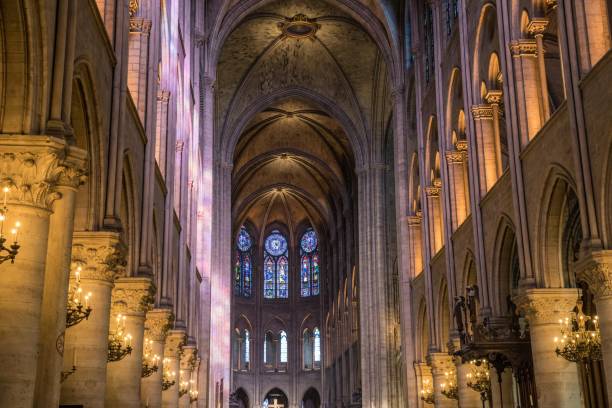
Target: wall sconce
point(76, 311)
point(150, 361)
point(119, 343)
point(8, 253)
point(449, 388)
point(479, 380)
point(427, 394)
point(580, 340)
point(169, 377)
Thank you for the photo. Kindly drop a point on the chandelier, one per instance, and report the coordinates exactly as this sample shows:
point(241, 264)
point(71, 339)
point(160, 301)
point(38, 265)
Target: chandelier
point(119, 343)
point(449, 387)
point(580, 340)
point(78, 308)
point(8, 253)
point(479, 380)
point(427, 394)
point(168, 379)
point(150, 361)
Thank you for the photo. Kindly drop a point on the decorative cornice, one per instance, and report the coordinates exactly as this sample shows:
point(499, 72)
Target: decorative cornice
point(596, 270)
point(189, 357)
point(537, 26)
point(482, 112)
point(461, 145)
point(158, 322)
point(175, 340)
point(101, 255)
point(455, 156)
point(163, 96)
point(525, 47)
point(414, 219)
point(546, 306)
point(34, 166)
point(494, 96)
point(132, 296)
point(140, 25)
point(133, 7)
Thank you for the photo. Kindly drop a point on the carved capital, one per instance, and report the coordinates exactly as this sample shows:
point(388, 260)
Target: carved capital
point(596, 270)
point(180, 145)
point(158, 322)
point(461, 145)
point(175, 340)
point(455, 156)
point(189, 357)
point(481, 112)
point(163, 96)
point(525, 47)
point(546, 306)
point(133, 7)
point(494, 96)
point(132, 296)
point(101, 255)
point(433, 191)
point(537, 26)
point(440, 363)
point(413, 220)
point(551, 4)
point(140, 25)
point(34, 166)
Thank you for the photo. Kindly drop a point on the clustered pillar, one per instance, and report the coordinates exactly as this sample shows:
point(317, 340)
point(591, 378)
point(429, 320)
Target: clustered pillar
point(173, 348)
point(157, 324)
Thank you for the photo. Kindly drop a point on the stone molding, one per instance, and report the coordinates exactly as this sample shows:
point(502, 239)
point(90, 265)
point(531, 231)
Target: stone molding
point(133, 7)
point(440, 363)
point(494, 97)
point(433, 191)
point(414, 220)
point(175, 340)
point(132, 296)
point(455, 156)
point(461, 145)
point(163, 96)
point(158, 322)
point(140, 25)
point(484, 111)
point(101, 255)
point(34, 166)
point(596, 270)
point(546, 306)
point(524, 47)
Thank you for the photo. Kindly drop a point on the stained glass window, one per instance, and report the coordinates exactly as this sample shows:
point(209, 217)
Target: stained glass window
point(309, 266)
point(276, 267)
point(317, 345)
point(247, 343)
point(283, 347)
point(243, 267)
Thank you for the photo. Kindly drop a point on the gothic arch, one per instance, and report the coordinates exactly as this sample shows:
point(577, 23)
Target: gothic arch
point(606, 198)
point(505, 251)
point(470, 274)
point(486, 43)
point(128, 213)
point(422, 332)
point(443, 321)
point(559, 202)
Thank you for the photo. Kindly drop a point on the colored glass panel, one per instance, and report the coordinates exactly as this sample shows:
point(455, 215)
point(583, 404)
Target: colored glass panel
point(317, 345)
point(315, 275)
point(282, 278)
point(243, 241)
point(309, 241)
point(305, 276)
point(283, 347)
point(269, 278)
point(247, 272)
point(276, 244)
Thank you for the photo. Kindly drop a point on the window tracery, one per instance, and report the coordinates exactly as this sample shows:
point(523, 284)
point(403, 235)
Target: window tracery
point(276, 267)
point(309, 271)
point(243, 265)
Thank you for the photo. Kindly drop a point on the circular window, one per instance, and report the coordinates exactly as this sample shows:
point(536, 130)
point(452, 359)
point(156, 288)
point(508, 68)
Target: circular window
point(243, 241)
point(309, 241)
point(276, 244)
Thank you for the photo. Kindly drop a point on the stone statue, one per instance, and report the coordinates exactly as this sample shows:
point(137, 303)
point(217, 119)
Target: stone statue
point(459, 313)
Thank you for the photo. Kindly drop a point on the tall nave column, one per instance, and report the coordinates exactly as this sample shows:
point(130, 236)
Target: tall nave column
point(131, 298)
point(596, 270)
point(457, 172)
point(101, 257)
point(188, 362)
point(31, 167)
point(157, 323)
point(173, 348)
point(557, 380)
point(440, 364)
point(487, 146)
point(467, 396)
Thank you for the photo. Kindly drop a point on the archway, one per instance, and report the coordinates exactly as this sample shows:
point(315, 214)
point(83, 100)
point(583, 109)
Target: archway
point(311, 399)
point(275, 398)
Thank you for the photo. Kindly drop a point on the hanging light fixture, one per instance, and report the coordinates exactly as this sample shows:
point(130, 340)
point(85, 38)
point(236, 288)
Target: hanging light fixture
point(150, 361)
point(8, 253)
point(78, 308)
point(119, 343)
point(169, 377)
point(427, 394)
point(580, 340)
point(449, 387)
point(479, 380)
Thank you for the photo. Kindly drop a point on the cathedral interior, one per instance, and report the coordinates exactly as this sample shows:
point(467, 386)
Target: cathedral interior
point(305, 203)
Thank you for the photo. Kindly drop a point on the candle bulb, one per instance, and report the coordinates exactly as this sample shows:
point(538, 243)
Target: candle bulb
point(14, 234)
point(6, 190)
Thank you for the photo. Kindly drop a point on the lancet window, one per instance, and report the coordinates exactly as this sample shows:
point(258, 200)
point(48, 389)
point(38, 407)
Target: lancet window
point(243, 264)
point(309, 270)
point(276, 267)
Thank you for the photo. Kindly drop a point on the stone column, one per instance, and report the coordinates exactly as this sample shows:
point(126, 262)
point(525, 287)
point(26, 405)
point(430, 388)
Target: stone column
point(501, 391)
point(459, 201)
point(172, 352)
point(435, 216)
point(188, 361)
point(557, 381)
point(440, 364)
point(531, 114)
point(596, 270)
point(55, 293)
point(537, 26)
point(131, 298)
point(102, 258)
point(486, 146)
point(157, 324)
point(138, 55)
point(468, 398)
point(30, 166)
point(423, 374)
